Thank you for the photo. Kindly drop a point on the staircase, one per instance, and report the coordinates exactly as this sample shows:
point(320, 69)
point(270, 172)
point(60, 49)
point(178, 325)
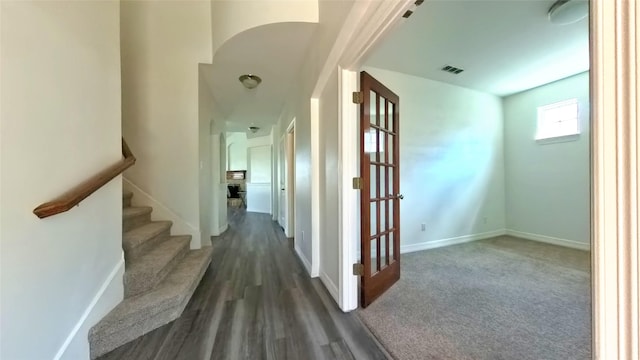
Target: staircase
point(161, 274)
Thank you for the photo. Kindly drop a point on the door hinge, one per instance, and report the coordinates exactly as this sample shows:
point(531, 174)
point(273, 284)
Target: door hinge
point(357, 183)
point(358, 97)
point(358, 269)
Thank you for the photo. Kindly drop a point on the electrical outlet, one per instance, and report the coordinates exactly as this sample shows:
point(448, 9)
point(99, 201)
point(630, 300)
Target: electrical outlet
point(423, 227)
point(302, 236)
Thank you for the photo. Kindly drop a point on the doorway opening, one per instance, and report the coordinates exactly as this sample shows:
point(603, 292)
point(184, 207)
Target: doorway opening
point(474, 173)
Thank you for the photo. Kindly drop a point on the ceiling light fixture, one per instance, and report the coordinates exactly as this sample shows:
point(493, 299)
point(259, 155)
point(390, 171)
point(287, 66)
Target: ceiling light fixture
point(250, 81)
point(564, 12)
point(254, 129)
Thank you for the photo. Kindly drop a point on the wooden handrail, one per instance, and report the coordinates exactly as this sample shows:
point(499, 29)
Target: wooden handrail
point(74, 196)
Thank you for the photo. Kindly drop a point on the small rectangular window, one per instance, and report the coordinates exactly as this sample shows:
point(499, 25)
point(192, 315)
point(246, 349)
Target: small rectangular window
point(558, 120)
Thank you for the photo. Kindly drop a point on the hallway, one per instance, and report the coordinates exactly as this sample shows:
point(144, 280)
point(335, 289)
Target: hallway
point(256, 302)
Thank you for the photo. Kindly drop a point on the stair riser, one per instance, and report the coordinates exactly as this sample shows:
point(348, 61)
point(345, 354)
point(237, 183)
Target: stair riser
point(138, 285)
point(130, 254)
point(103, 343)
point(133, 222)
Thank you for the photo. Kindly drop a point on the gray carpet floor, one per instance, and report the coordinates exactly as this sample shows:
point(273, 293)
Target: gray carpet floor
point(498, 299)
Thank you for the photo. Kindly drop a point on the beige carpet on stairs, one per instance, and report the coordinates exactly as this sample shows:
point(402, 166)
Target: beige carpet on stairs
point(496, 299)
point(161, 274)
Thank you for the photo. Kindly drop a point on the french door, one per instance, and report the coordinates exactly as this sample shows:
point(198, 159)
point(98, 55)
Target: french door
point(380, 196)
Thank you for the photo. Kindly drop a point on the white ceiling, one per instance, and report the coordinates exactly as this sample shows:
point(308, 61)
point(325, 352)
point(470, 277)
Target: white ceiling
point(503, 46)
point(275, 53)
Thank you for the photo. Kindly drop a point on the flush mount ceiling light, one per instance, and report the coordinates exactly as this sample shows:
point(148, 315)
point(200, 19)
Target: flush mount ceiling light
point(254, 129)
point(564, 12)
point(250, 81)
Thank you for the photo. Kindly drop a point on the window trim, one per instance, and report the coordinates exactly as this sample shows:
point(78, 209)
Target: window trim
point(546, 138)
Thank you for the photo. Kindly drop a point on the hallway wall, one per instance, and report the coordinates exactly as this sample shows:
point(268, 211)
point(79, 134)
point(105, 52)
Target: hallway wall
point(162, 44)
point(59, 125)
point(329, 181)
point(332, 15)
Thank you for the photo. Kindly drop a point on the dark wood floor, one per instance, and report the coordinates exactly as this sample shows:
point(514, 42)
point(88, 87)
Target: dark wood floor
point(256, 302)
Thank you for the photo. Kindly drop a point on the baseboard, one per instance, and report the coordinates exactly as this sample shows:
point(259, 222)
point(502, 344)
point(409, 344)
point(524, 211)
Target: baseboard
point(110, 294)
point(331, 286)
point(550, 240)
point(305, 261)
point(161, 212)
point(450, 241)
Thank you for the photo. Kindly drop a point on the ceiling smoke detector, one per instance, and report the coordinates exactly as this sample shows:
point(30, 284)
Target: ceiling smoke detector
point(250, 81)
point(564, 12)
point(254, 129)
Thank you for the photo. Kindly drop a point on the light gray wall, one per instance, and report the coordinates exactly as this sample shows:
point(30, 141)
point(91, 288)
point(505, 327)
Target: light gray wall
point(451, 161)
point(329, 202)
point(333, 14)
point(59, 124)
point(547, 185)
point(162, 44)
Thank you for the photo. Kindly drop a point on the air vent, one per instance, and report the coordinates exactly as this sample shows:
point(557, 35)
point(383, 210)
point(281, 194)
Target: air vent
point(452, 69)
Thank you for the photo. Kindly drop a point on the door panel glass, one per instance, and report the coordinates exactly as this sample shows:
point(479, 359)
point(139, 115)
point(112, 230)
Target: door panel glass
point(372, 108)
point(383, 252)
point(373, 187)
point(391, 124)
point(383, 216)
point(390, 172)
point(390, 139)
point(374, 256)
point(374, 217)
point(374, 145)
point(390, 223)
point(391, 253)
point(383, 182)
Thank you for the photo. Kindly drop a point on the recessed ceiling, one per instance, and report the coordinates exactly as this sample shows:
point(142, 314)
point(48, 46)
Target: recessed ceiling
point(504, 47)
point(275, 53)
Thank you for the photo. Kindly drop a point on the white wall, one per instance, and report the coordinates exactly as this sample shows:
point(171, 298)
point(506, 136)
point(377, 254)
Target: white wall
point(231, 17)
point(547, 185)
point(451, 161)
point(218, 221)
point(332, 15)
point(162, 44)
point(59, 124)
point(236, 151)
point(206, 184)
point(329, 204)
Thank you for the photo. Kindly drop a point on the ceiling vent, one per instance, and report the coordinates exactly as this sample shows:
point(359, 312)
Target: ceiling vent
point(452, 69)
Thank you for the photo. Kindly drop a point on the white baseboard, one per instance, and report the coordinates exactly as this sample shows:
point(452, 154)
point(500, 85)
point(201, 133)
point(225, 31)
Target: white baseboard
point(305, 261)
point(110, 294)
point(450, 241)
point(331, 286)
point(550, 240)
point(162, 212)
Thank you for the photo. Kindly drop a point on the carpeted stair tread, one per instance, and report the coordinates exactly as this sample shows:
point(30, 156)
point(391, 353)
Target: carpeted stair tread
point(132, 212)
point(146, 271)
point(140, 314)
point(136, 237)
point(132, 217)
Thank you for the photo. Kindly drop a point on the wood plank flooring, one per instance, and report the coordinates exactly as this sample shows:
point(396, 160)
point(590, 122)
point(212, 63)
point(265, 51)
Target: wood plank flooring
point(256, 301)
